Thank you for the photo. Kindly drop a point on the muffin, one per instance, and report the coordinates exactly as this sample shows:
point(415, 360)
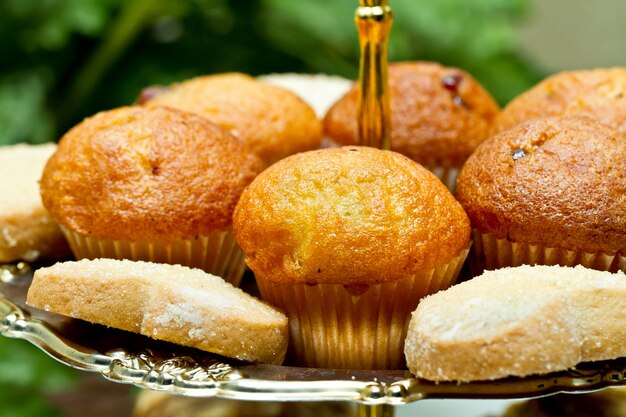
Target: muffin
point(438, 116)
point(27, 232)
point(599, 94)
point(150, 184)
point(548, 191)
point(272, 121)
point(346, 241)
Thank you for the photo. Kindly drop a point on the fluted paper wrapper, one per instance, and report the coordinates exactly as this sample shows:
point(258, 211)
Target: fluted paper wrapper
point(332, 326)
point(446, 174)
point(216, 253)
point(490, 252)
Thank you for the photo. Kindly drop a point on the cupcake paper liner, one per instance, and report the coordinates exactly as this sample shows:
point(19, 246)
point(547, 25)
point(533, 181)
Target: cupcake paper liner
point(446, 174)
point(490, 252)
point(334, 326)
point(216, 253)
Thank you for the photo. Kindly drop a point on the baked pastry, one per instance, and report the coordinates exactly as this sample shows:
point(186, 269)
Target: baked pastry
point(438, 116)
point(320, 91)
point(150, 184)
point(346, 241)
point(272, 121)
point(27, 232)
point(165, 302)
point(548, 191)
point(517, 322)
point(599, 94)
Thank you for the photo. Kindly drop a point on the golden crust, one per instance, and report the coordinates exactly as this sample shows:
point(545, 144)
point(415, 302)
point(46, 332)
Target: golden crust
point(164, 302)
point(351, 215)
point(599, 94)
point(430, 121)
point(142, 174)
point(555, 182)
point(274, 122)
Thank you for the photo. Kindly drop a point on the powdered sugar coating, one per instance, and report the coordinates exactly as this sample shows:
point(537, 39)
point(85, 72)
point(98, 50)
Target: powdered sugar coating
point(518, 321)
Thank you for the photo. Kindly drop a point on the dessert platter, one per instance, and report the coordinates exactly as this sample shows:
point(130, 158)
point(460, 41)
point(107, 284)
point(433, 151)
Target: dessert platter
point(133, 359)
point(354, 246)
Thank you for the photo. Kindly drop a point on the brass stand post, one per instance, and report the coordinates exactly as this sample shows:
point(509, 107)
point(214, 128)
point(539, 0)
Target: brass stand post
point(373, 19)
point(378, 410)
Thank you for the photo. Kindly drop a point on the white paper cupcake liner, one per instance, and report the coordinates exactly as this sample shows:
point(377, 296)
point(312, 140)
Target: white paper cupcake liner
point(216, 253)
point(445, 172)
point(490, 252)
point(334, 327)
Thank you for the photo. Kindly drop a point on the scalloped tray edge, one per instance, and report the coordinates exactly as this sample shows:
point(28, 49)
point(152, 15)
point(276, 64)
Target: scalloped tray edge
point(208, 376)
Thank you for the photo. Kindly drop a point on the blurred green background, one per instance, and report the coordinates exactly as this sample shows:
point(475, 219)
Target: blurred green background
point(63, 60)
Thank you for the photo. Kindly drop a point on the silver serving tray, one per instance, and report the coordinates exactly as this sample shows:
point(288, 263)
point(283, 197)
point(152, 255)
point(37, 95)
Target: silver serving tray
point(133, 359)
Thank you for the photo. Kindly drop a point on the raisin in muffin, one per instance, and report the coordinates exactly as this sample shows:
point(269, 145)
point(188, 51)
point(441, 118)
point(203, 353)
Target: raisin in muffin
point(548, 191)
point(438, 116)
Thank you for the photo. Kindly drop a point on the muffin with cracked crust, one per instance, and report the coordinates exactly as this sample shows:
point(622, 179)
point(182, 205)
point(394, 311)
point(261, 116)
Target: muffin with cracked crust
point(150, 184)
point(599, 94)
point(439, 115)
point(272, 121)
point(548, 191)
point(346, 241)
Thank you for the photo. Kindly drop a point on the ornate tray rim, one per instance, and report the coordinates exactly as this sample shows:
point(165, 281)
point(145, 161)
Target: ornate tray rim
point(200, 374)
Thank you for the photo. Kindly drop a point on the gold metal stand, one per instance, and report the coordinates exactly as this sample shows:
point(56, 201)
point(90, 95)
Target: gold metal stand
point(380, 410)
point(373, 19)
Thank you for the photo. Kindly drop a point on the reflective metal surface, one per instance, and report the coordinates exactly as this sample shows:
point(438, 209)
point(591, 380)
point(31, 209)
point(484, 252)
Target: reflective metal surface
point(373, 19)
point(128, 358)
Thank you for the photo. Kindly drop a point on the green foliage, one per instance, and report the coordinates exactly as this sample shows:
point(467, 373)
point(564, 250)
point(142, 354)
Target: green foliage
point(26, 374)
point(23, 111)
point(67, 59)
point(20, 402)
point(478, 36)
point(72, 58)
point(24, 365)
point(38, 39)
point(49, 25)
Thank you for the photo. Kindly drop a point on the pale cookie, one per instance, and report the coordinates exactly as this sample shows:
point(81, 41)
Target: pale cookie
point(27, 232)
point(518, 322)
point(165, 302)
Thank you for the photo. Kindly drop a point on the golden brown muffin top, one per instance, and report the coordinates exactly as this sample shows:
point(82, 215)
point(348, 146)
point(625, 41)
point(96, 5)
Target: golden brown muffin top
point(142, 174)
point(557, 182)
point(437, 114)
point(351, 215)
point(273, 121)
point(599, 94)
